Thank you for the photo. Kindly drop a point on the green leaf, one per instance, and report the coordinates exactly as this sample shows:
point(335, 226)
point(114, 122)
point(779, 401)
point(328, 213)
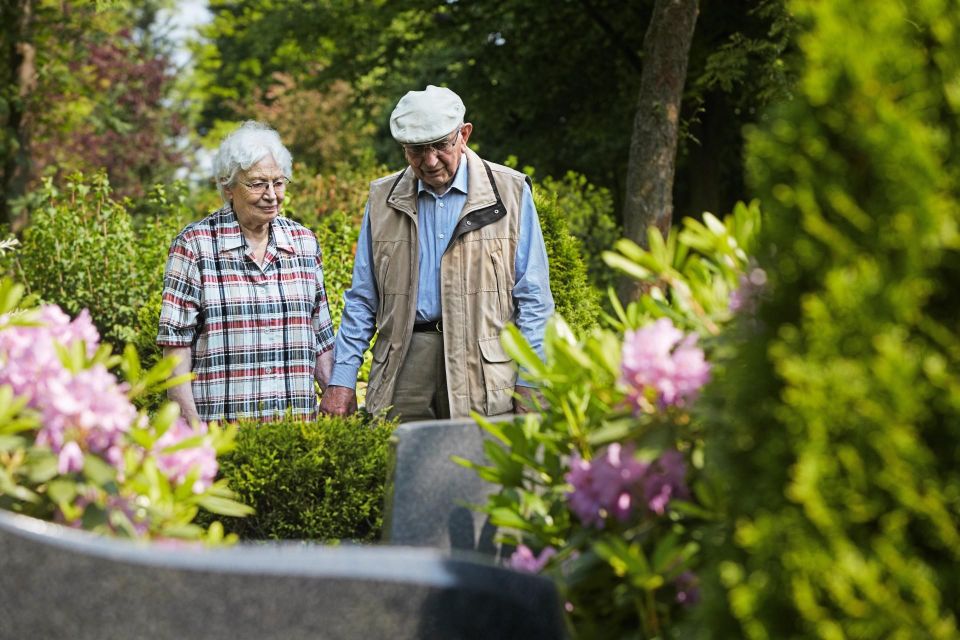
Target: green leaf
point(517, 347)
point(507, 517)
point(224, 506)
point(62, 490)
point(42, 465)
point(97, 470)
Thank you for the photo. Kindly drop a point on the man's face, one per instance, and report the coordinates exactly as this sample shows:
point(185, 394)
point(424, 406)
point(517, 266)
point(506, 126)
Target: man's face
point(437, 163)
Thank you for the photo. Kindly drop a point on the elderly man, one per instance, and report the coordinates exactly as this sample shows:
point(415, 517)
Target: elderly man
point(450, 251)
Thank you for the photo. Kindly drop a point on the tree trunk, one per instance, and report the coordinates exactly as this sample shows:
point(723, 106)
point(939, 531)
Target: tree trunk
point(21, 55)
point(653, 146)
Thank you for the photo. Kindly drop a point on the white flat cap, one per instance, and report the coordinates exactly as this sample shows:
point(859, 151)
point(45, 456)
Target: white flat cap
point(426, 116)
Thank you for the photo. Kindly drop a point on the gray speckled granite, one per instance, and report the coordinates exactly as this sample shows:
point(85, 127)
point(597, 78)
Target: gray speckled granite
point(56, 582)
point(427, 492)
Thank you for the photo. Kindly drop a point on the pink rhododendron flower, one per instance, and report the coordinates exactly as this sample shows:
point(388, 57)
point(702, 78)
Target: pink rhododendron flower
point(28, 354)
point(90, 409)
point(70, 459)
point(604, 486)
point(612, 483)
point(177, 464)
point(523, 559)
point(660, 358)
point(665, 480)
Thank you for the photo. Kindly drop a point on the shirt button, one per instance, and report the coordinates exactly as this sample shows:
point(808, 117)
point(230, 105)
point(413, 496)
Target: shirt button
point(268, 370)
point(440, 203)
point(441, 236)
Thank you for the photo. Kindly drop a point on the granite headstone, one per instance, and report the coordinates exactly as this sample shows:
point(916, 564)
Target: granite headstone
point(428, 496)
point(57, 582)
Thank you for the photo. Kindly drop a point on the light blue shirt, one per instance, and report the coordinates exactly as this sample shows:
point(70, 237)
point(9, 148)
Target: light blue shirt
point(437, 217)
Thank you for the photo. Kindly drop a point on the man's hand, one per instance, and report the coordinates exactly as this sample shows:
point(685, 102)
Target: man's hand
point(528, 400)
point(338, 401)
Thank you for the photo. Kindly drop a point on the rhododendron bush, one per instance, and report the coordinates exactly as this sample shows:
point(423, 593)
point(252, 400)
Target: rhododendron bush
point(73, 447)
point(601, 486)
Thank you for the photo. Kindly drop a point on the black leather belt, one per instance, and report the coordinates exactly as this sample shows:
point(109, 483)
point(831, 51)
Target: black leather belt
point(433, 326)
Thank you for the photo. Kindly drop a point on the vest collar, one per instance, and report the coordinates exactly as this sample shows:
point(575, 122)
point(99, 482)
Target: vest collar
point(481, 192)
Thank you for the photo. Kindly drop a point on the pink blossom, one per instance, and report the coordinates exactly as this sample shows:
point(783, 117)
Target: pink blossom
point(612, 483)
point(90, 409)
point(523, 559)
point(70, 459)
point(176, 465)
point(661, 359)
point(604, 485)
point(665, 480)
point(29, 355)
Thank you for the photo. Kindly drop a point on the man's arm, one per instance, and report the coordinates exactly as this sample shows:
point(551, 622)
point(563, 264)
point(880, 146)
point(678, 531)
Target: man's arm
point(357, 326)
point(531, 292)
point(182, 394)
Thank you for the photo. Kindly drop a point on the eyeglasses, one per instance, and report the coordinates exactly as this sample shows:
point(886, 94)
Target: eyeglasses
point(259, 187)
point(442, 147)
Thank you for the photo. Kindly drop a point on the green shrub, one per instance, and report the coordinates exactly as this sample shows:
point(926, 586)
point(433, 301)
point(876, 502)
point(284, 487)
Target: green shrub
point(79, 251)
point(320, 480)
point(575, 298)
point(836, 438)
point(588, 210)
point(84, 250)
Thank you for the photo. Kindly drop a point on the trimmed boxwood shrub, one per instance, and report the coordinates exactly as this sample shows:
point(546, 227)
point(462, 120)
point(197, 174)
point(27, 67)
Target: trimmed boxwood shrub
point(321, 481)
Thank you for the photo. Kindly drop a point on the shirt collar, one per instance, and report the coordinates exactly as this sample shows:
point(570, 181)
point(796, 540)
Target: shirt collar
point(460, 182)
point(231, 237)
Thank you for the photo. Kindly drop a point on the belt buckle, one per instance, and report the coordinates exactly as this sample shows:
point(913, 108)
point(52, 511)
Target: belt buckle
point(439, 326)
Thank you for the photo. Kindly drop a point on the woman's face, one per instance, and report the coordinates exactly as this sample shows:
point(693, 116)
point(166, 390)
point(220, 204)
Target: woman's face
point(255, 205)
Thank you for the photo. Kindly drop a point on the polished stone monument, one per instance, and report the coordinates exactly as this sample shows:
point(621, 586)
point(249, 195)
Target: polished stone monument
point(57, 582)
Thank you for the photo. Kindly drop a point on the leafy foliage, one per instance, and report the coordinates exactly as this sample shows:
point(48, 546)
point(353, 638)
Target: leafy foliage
point(624, 566)
point(573, 295)
point(74, 449)
point(522, 101)
point(95, 90)
point(320, 480)
point(590, 217)
point(836, 430)
point(83, 251)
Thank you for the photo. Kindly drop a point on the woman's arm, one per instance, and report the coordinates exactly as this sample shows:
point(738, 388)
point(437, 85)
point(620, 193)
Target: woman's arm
point(182, 394)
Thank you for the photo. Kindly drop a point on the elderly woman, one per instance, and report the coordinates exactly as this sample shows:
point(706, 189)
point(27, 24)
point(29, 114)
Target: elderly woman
point(244, 306)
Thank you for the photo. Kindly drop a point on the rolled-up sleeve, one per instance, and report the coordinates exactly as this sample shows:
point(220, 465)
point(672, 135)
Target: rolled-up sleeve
point(180, 308)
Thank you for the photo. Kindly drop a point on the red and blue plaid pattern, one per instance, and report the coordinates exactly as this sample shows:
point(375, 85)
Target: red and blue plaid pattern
point(255, 331)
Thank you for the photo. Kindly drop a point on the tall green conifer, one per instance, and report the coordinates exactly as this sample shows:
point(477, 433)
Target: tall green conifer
point(837, 441)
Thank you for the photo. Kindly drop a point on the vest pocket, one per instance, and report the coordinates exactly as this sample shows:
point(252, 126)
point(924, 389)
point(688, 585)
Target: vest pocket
point(499, 376)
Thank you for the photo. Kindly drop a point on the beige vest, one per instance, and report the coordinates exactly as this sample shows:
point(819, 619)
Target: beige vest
point(476, 286)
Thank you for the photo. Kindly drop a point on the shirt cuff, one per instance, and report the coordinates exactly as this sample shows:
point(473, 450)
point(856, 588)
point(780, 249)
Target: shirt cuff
point(344, 376)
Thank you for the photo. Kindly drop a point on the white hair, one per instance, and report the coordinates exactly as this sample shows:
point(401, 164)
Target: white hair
point(246, 146)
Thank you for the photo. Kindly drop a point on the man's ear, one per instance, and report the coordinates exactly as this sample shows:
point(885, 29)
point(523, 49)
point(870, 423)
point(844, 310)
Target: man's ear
point(465, 131)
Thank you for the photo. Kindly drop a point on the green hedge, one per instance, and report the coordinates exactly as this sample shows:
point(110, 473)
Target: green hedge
point(836, 438)
point(321, 481)
point(84, 250)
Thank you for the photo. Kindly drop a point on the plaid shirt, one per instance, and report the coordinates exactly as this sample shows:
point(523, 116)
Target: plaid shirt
point(254, 331)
